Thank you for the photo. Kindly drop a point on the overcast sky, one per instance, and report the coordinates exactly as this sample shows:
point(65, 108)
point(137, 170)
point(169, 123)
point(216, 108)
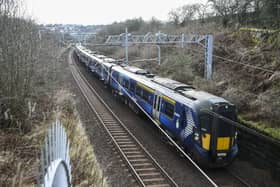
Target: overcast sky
point(90, 12)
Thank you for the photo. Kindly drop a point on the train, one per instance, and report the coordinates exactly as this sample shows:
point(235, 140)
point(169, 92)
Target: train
point(185, 113)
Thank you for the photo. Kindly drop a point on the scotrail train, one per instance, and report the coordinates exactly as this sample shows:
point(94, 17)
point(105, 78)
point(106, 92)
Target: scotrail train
point(178, 108)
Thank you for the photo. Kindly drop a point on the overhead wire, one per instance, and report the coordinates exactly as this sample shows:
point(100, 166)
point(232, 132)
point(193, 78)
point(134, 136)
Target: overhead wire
point(236, 62)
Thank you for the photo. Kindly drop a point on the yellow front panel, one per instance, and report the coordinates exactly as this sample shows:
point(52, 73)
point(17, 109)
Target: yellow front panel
point(223, 143)
point(206, 141)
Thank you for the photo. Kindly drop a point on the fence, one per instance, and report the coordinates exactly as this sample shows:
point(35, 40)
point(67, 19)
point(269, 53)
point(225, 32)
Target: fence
point(55, 168)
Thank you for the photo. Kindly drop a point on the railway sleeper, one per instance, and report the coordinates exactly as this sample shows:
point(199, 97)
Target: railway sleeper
point(116, 135)
point(145, 169)
point(110, 123)
point(150, 174)
point(141, 165)
point(128, 145)
point(139, 160)
point(116, 131)
point(123, 139)
point(158, 185)
point(115, 128)
point(132, 152)
point(120, 136)
point(107, 117)
point(153, 179)
point(135, 156)
point(125, 143)
point(130, 149)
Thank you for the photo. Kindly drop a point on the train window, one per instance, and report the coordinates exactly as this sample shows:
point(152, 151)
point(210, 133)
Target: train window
point(125, 83)
point(138, 91)
point(115, 76)
point(132, 87)
point(145, 95)
point(169, 110)
point(120, 79)
point(155, 101)
point(159, 104)
point(205, 121)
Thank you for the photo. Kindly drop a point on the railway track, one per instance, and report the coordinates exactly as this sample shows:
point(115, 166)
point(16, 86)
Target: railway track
point(141, 164)
point(136, 160)
point(226, 177)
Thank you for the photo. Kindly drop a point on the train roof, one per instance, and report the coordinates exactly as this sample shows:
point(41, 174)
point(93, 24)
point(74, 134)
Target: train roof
point(108, 64)
point(101, 56)
point(176, 90)
point(180, 92)
point(172, 84)
point(110, 60)
point(90, 54)
point(135, 70)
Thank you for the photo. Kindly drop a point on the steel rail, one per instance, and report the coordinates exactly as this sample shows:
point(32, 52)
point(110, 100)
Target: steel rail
point(179, 148)
point(139, 176)
point(168, 137)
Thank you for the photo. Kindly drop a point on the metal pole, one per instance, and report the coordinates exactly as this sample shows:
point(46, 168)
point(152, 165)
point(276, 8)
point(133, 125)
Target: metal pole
point(183, 40)
point(126, 46)
point(158, 46)
point(208, 57)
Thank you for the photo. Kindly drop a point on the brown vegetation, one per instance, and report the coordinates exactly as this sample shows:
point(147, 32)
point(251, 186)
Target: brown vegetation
point(33, 70)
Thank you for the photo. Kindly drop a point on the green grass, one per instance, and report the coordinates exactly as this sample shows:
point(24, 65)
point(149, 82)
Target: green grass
point(259, 30)
point(263, 127)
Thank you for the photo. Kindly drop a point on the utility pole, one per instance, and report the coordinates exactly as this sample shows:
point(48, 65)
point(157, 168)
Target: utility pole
point(126, 46)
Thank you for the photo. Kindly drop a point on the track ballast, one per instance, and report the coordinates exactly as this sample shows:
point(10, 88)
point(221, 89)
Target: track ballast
point(141, 164)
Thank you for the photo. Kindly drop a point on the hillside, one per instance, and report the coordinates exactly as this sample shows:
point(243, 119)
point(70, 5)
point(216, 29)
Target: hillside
point(246, 69)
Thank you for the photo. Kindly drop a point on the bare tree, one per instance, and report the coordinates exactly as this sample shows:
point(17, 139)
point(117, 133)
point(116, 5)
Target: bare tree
point(189, 12)
point(174, 16)
point(225, 9)
point(19, 53)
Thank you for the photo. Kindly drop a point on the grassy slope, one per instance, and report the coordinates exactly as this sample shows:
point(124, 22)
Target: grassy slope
point(85, 168)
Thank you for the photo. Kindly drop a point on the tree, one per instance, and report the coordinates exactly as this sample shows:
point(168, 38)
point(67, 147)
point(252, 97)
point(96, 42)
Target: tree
point(203, 12)
point(174, 16)
point(19, 53)
point(226, 9)
point(189, 12)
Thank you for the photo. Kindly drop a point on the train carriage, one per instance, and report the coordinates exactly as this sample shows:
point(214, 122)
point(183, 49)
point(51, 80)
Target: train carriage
point(182, 111)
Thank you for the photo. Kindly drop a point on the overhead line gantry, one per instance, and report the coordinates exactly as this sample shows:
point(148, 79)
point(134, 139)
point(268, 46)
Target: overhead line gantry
point(160, 39)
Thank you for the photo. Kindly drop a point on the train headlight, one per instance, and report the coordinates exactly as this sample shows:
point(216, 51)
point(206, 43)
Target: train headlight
point(196, 136)
point(177, 123)
point(236, 135)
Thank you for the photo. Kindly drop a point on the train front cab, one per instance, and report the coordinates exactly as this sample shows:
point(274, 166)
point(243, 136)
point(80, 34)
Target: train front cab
point(214, 138)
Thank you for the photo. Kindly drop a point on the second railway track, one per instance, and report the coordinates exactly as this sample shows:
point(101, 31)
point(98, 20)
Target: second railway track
point(141, 164)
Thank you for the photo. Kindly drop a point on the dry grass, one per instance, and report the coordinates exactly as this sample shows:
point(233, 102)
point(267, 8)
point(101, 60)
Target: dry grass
point(85, 168)
point(19, 153)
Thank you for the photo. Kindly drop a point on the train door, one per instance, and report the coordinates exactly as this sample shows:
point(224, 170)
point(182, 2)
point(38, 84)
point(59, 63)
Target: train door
point(156, 105)
point(120, 83)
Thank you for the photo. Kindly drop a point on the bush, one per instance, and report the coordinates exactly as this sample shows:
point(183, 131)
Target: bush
point(268, 104)
point(237, 97)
